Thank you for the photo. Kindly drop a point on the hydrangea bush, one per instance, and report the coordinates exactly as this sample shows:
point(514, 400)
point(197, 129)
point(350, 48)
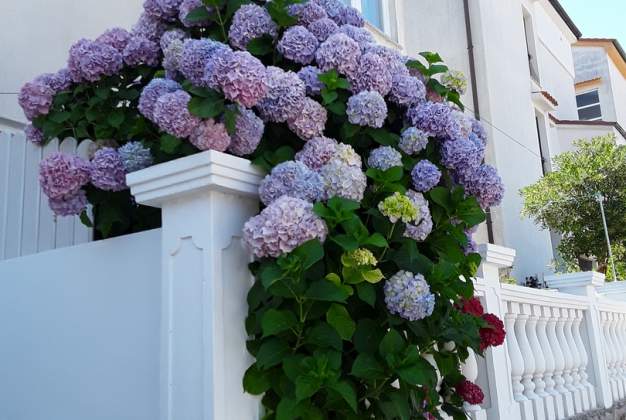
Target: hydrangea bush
point(375, 182)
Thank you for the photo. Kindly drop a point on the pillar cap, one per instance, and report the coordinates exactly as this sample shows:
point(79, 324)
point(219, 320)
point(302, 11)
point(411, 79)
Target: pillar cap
point(571, 280)
point(208, 171)
point(497, 255)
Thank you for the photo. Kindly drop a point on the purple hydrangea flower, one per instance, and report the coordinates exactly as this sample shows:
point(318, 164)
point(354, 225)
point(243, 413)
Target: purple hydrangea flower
point(462, 155)
point(62, 175)
point(323, 28)
point(171, 35)
point(317, 152)
point(186, 7)
point(436, 118)
point(91, 61)
point(298, 45)
point(283, 226)
point(339, 52)
point(413, 141)
point(172, 115)
point(285, 95)
point(33, 134)
point(350, 16)
point(310, 76)
point(116, 37)
point(61, 80)
point(425, 176)
point(408, 296)
point(479, 130)
point(471, 247)
point(250, 22)
point(294, 179)
point(108, 172)
point(362, 36)
point(384, 157)
point(152, 8)
point(153, 90)
point(371, 74)
point(171, 57)
point(248, 132)
point(333, 8)
point(395, 61)
point(242, 78)
point(35, 98)
point(194, 57)
point(367, 108)
point(310, 121)
point(343, 180)
point(149, 27)
point(141, 50)
point(310, 12)
point(485, 184)
point(420, 229)
point(210, 135)
point(407, 90)
point(169, 7)
point(69, 205)
point(135, 156)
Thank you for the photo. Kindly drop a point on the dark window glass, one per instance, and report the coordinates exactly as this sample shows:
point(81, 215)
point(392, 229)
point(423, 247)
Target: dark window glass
point(590, 113)
point(588, 98)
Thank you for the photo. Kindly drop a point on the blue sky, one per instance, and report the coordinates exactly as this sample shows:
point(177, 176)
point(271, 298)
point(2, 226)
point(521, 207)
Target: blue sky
point(599, 18)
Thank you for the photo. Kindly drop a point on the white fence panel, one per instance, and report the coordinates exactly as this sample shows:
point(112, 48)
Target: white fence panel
point(27, 225)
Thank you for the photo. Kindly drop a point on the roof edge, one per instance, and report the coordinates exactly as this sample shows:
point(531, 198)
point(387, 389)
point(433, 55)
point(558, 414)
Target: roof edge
point(566, 18)
point(613, 124)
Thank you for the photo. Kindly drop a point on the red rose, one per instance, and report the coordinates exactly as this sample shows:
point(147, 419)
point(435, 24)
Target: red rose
point(493, 334)
point(470, 392)
point(472, 306)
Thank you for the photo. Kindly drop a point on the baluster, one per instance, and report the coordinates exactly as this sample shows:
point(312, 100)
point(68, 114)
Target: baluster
point(578, 369)
point(517, 361)
point(622, 353)
point(573, 366)
point(527, 355)
point(617, 350)
point(557, 389)
point(563, 375)
point(589, 392)
point(548, 371)
point(608, 353)
point(540, 363)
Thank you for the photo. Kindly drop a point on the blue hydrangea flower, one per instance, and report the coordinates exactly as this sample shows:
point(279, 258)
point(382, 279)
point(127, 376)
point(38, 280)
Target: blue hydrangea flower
point(298, 45)
point(362, 36)
point(462, 155)
point(408, 296)
point(171, 114)
point(367, 108)
point(140, 50)
point(90, 61)
point(339, 52)
point(309, 75)
point(248, 132)
point(115, 37)
point(485, 184)
point(242, 78)
point(194, 57)
point(384, 157)
point(371, 74)
point(310, 121)
point(436, 118)
point(308, 13)
point(69, 205)
point(323, 28)
point(425, 176)
point(407, 90)
point(421, 228)
point(153, 90)
point(350, 16)
point(294, 179)
point(285, 95)
point(413, 141)
point(107, 170)
point(249, 22)
point(343, 180)
point(135, 156)
point(317, 152)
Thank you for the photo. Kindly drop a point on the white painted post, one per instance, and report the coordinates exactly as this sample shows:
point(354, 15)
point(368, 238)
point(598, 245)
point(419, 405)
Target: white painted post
point(586, 284)
point(503, 405)
point(205, 200)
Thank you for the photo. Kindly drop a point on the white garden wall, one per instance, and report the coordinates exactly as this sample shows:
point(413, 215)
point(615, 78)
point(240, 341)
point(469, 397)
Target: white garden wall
point(79, 332)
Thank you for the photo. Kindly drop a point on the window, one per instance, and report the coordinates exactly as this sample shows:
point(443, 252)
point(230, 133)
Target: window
point(530, 46)
point(379, 13)
point(588, 104)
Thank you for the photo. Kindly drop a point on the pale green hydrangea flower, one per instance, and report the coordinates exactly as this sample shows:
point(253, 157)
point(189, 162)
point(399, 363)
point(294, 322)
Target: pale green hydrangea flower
point(398, 207)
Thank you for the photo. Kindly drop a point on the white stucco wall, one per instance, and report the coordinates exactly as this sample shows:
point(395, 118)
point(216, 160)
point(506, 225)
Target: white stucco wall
point(36, 35)
point(618, 90)
point(568, 134)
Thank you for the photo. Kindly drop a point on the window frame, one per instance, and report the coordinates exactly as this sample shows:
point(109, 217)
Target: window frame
point(598, 104)
point(386, 18)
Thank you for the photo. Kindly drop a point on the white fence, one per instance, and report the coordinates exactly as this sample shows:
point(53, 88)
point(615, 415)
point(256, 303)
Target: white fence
point(27, 225)
point(150, 326)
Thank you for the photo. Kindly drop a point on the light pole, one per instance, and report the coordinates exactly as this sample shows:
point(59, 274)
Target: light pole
point(600, 199)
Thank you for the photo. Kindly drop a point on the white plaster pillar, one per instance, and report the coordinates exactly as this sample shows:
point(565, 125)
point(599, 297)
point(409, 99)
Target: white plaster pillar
point(205, 200)
point(499, 367)
point(585, 284)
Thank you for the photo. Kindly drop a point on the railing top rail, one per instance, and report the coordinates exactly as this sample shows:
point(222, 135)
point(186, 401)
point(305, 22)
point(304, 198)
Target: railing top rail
point(606, 304)
point(544, 297)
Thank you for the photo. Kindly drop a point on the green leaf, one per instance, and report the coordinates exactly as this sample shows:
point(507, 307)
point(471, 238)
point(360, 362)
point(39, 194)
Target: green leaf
point(337, 108)
point(309, 253)
point(59, 117)
point(116, 118)
point(392, 343)
point(307, 386)
point(230, 119)
point(261, 46)
point(346, 390)
point(382, 136)
point(339, 318)
point(416, 370)
point(407, 257)
point(279, 13)
point(348, 130)
point(470, 212)
point(441, 196)
point(347, 243)
point(206, 107)
point(275, 322)
point(367, 293)
point(377, 240)
point(84, 218)
point(271, 353)
point(102, 92)
point(323, 335)
point(367, 367)
point(437, 69)
point(329, 96)
point(169, 143)
point(270, 274)
point(324, 290)
point(431, 57)
point(367, 336)
point(373, 276)
point(255, 381)
point(285, 409)
point(198, 15)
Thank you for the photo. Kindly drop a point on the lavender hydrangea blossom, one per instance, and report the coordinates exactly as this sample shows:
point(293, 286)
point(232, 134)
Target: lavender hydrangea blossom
point(61, 80)
point(153, 91)
point(186, 7)
point(152, 8)
point(339, 52)
point(35, 98)
point(250, 22)
point(210, 135)
point(309, 75)
point(413, 141)
point(310, 121)
point(333, 8)
point(298, 45)
point(140, 50)
point(283, 226)
point(485, 184)
point(169, 7)
point(135, 156)
point(149, 27)
point(172, 115)
point(62, 175)
point(33, 134)
point(436, 118)
point(317, 152)
point(462, 155)
point(350, 16)
point(421, 228)
point(425, 176)
point(407, 90)
point(242, 78)
point(323, 28)
point(294, 179)
point(395, 61)
point(171, 58)
point(248, 132)
point(115, 37)
point(108, 172)
point(362, 36)
point(371, 74)
point(91, 61)
point(309, 12)
point(285, 95)
point(194, 57)
point(69, 205)
point(367, 108)
point(384, 157)
point(343, 180)
point(171, 35)
point(408, 296)
point(216, 63)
